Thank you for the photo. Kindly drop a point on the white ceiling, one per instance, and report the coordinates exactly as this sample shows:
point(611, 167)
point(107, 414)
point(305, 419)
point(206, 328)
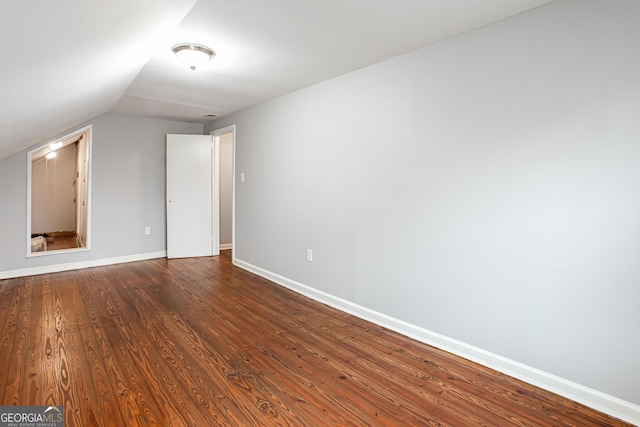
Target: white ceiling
point(67, 61)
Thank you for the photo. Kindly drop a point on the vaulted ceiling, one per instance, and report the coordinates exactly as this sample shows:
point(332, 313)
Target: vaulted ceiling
point(65, 62)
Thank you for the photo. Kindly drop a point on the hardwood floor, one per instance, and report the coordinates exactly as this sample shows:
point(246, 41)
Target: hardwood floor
point(200, 342)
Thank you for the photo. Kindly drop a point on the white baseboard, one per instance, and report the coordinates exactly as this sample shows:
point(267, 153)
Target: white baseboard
point(46, 269)
point(224, 247)
point(603, 402)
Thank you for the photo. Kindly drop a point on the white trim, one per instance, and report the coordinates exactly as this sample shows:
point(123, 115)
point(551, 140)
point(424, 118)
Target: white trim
point(57, 252)
point(226, 246)
point(603, 402)
point(46, 269)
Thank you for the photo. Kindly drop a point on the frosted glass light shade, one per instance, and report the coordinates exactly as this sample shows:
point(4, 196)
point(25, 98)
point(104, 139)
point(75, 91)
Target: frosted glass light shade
point(193, 55)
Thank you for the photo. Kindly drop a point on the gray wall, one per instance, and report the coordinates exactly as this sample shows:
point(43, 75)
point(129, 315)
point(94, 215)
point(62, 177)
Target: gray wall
point(485, 188)
point(127, 191)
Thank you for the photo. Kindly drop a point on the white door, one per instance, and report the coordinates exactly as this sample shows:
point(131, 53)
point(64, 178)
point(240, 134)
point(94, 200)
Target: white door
point(190, 194)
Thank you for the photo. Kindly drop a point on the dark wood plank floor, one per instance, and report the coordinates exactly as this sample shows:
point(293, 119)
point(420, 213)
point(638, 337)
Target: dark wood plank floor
point(200, 342)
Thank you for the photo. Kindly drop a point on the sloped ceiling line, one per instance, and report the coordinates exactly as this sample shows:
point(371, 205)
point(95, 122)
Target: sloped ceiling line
point(97, 57)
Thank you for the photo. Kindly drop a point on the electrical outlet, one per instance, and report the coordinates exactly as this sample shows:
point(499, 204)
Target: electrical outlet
point(147, 231)
point(241, 176)
point(309, 255)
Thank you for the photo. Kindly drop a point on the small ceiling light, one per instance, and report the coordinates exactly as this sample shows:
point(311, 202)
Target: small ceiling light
point(193, 55)
point(51, 155)
point(55, 145)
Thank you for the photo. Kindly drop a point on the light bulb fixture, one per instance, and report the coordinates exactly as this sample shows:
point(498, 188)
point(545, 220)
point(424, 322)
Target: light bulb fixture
point(193, 55)
point(55, 146)
point(50, 155)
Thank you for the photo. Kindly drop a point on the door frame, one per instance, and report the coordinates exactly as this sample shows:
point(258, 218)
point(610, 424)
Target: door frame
point(215, 134)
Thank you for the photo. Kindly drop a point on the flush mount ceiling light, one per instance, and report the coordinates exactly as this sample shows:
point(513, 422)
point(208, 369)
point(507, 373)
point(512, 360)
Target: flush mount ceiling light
point(56, 145)
point(193, 55)
point(52, 149)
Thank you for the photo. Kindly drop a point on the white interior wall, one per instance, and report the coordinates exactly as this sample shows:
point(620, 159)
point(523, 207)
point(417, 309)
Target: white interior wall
point(485, 188)
point(226, 187)
point(53, 205)
point(127, 193)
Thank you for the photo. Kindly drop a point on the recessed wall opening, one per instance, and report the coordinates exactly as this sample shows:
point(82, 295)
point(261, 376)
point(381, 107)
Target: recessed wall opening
point(58, 194)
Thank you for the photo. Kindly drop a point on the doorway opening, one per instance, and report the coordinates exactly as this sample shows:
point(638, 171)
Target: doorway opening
point(197, 214)
point(58, 194)
point(224, 143)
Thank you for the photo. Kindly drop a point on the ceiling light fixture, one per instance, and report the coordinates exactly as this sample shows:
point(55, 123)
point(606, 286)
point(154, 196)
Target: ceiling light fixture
point(50, 155)
point(193, 55)
point(55, 146)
